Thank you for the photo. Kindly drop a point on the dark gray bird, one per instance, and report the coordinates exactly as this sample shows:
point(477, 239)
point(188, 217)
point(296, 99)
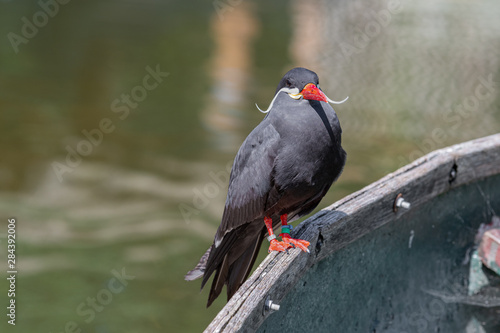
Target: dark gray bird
point(281, 172)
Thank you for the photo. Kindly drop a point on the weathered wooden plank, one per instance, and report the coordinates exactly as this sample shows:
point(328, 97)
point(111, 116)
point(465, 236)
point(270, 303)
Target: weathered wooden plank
point(353, 217)
point(381, 281)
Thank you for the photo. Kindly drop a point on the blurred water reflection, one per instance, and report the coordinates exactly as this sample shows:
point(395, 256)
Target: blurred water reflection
point(149, 196)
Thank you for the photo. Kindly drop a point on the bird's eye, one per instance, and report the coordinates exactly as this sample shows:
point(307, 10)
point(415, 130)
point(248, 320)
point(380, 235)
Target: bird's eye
point(288, 83)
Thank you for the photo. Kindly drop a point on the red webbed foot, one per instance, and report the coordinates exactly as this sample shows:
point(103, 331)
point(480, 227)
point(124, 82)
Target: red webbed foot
point(278, 246)
point(300, 243)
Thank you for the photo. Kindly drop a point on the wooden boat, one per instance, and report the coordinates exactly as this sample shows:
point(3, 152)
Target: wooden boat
point(376, 266)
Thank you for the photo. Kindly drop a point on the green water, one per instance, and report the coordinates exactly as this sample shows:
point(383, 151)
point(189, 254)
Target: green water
point(118, 120)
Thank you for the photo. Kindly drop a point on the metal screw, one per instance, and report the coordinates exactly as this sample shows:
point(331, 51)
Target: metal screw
point(269, 305)
point(400, 202)
point(403, 204)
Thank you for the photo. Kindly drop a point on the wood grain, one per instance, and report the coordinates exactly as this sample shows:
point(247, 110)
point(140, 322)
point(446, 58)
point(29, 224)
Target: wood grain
point(353, 217)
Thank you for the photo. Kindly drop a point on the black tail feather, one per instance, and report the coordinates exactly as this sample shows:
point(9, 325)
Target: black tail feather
point(198, 271)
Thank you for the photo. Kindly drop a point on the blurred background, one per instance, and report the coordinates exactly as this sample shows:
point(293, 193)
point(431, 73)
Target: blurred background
point(119, 121)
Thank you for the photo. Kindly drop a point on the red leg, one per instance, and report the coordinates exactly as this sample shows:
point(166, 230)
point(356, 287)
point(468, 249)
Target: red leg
point(275, 244)
point(283, 219)
point(285, 236)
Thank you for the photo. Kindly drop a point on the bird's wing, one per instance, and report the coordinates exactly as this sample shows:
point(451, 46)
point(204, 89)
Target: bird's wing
point(251, 180)
point(236, 264)
point(240, 233)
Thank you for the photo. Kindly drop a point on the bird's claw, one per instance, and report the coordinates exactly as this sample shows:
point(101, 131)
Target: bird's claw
point(300, 243)
point(278, 246)
point(288, 243)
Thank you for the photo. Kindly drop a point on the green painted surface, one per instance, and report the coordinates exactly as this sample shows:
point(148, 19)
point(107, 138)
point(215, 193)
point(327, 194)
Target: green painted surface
point(380, 284)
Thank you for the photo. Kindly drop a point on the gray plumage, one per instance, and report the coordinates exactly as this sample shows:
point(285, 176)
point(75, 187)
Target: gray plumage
point(285, 166)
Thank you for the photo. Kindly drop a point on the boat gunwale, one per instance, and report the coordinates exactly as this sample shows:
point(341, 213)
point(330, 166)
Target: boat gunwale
point(351, 218)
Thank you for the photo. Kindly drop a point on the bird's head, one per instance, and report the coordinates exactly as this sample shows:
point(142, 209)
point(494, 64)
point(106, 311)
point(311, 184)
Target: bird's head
point(301, 83)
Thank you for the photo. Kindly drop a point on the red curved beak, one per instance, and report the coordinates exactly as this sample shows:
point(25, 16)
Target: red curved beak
point(312, 92)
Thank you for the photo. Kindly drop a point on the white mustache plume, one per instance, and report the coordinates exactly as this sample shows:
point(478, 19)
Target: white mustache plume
point(295, 91)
